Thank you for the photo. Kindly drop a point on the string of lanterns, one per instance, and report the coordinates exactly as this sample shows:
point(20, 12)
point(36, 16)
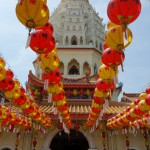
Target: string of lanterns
point(42, 42)
point(132, 115)
point(12, 89)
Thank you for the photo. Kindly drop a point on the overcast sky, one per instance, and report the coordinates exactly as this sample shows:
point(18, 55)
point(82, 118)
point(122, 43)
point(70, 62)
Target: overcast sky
point(136, 75)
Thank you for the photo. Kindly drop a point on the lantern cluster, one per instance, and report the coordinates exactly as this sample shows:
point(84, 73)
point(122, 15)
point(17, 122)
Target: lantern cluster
point(51, 76)
point(16, 94)
point(13, 120)
point(132, 115)
point(35, 15)
point(119, 36)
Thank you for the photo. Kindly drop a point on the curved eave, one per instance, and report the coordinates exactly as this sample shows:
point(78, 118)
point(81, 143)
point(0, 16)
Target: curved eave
point(34, 80)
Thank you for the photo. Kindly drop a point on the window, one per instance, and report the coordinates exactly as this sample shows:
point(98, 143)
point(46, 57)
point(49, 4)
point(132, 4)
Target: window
point(73, 70)
point(74, 40)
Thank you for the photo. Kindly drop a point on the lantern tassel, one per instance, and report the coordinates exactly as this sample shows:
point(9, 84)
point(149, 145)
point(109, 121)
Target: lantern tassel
point(122, 64)
point(116, 81)
point(125, 35)
point(28, 41)
point(49, 97)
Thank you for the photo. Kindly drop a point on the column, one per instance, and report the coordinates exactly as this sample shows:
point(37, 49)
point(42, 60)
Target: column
point(65, 69)
point(81, 69)
point(92, 69)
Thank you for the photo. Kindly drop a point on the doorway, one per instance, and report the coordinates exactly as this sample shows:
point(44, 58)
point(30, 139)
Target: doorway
point(75, 141)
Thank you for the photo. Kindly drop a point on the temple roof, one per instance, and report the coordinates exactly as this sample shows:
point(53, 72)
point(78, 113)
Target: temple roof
point(84, 82)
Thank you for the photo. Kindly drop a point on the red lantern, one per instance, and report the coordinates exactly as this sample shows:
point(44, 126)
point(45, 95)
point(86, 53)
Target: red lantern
point(60, 126)
point(22, 90)
point(98, 100)
point(137, 111)
point(148, 90)
point(129, 117)
point(7, 84)
point(48, 27)
point(54, 77)
point(96, 110)
point(42, 42)
point(123, 12)
point(76, 127)
point(102, 85)
point(9, 73)
point(20, 101)
point(57, 97)
point(147, 100)
point(112, 58)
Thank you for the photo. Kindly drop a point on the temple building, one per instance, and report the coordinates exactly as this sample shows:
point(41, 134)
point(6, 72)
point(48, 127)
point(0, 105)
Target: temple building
point(79, 33)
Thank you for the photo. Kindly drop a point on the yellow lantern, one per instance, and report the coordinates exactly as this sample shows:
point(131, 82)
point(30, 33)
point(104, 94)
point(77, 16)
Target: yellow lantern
point(2, 73)
point(132, 105)
point(49, 61)
point(26, 105)
point(110, 25)
point(56, 88)
point(132, 114)
point(2, 62)
point(117, 38)
point(107, 73)
point(17, 83)
point(142, 105)
point(61, 102)
point(142, 96)
point(101, 94)
point(32, 14)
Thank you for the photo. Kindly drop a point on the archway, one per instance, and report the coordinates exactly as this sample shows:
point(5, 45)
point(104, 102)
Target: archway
point(74, 40)
point(75, 141)
point(6, 148)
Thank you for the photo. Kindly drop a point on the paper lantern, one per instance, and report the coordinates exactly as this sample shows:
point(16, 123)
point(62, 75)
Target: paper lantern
point(9, 73)
point(123, 12)
point(60, 126)
point(110, 25)
point(2, 63)
point(49, 61)
point(98, 100)
point(42, 42)
point(53, 76)
point(32, 14)
point(77, 127)
point(57, 97)
point(20, 100)
point(107, 73)
point(56, 88)
point(147, 100)
point(137, 111)
point(102, 85)
point(7, 84)
point(2, 73)
point(48, 27)
point(148, 90)
point(112, 58)
point(101, 94)
point(117, 38)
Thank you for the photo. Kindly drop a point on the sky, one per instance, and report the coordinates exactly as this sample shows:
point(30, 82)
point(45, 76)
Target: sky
point(136, 75)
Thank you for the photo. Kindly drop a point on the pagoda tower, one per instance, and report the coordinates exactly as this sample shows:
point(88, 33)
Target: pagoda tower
point(79, 35)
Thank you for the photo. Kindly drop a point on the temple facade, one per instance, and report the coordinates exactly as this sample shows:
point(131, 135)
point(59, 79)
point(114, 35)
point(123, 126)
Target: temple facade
point(79, 34)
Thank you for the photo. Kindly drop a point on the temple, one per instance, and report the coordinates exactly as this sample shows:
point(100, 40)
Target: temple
point(79, 33)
